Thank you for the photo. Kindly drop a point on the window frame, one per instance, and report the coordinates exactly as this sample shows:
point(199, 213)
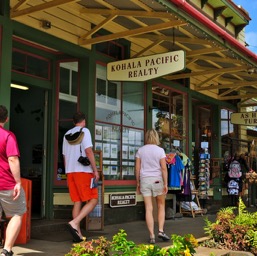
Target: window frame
point(170, 104)
point(227, 120)
point(71, 99)
point(26, 54)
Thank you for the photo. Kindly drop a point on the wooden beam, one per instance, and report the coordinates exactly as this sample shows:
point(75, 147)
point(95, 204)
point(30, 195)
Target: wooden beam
point(204, 73)
point(204, 51)
point(248, 105)
point(152, 14)
point(147, 48)
point(19, 4)
point(141, 5)
point(228, 91)
point(228, 85)
point(226, 81)
point(191, 61)
point(40, 7)
point(172, 38)
point(98, 27)
point(242, 101)
point(131, 32)
point(219, 59)
point(235, 97)
point(250, 90)
point(207, 80)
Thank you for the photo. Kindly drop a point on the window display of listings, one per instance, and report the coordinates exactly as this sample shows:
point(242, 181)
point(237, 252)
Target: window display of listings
point(119, 146)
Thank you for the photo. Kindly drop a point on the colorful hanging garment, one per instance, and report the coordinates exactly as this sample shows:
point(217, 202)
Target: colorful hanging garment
point(175, 174)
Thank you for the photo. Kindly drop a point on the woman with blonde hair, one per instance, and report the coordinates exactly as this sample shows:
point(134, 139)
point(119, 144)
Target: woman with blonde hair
point(151, 176)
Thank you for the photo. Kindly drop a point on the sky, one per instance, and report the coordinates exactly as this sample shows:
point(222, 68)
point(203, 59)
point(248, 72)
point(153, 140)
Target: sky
point(250, 30)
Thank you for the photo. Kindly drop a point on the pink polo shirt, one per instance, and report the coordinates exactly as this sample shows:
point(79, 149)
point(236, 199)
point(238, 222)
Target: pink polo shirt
point(8, 147)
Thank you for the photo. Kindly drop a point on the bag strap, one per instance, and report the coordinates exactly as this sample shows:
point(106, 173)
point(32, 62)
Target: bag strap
point(80, 143)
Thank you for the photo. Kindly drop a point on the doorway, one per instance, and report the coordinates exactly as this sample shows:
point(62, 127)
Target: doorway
point(27, 121)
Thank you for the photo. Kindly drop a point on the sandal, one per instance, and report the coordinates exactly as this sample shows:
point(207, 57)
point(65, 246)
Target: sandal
point(152, 240)
point(6, 253)
point(163, 236)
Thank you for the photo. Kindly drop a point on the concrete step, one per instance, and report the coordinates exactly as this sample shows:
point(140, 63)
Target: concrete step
point(42, 226)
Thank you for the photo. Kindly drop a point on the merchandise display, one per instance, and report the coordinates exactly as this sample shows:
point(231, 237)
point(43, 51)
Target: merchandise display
point(204, 174)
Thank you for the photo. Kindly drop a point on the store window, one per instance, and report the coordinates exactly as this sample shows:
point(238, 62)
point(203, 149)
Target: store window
point(226, 126)
point(108, 98)
point(30, 64)
point(119, 125)
point(169, 118)
point(230, 134)
point(111, 49)
point(68, 96)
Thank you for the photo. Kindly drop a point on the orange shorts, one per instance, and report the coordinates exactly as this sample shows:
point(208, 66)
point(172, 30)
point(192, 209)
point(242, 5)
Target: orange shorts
point(79, 187)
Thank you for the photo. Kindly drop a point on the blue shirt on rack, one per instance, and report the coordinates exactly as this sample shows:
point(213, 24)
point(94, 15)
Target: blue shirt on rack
point(174, 173)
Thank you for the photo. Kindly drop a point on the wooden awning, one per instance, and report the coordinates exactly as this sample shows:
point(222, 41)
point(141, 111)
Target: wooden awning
point(213, 67)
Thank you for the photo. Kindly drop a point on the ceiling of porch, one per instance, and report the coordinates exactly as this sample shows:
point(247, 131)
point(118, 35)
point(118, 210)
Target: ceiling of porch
point(221, 72)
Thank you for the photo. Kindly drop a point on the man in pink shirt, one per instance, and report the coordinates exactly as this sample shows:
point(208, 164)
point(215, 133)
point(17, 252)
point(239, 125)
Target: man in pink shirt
point(12, 196)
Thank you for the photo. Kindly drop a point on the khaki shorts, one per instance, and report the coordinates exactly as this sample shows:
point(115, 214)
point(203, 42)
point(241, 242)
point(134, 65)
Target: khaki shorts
point(13, 207)
point(151, 186)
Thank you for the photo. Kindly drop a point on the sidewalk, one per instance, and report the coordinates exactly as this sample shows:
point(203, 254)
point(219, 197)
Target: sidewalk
point(57, 242)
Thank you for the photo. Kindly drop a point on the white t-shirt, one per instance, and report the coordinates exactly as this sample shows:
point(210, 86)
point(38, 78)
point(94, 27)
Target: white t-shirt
point(150, 156)
point(72, 152)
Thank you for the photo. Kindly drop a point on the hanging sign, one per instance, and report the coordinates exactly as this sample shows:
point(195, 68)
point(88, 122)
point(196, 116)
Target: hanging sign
point(146, 68)
point(121, 200)
point(244, 118)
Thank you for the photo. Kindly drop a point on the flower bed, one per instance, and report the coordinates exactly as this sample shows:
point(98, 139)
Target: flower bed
point(181, 246)
point(233, 231)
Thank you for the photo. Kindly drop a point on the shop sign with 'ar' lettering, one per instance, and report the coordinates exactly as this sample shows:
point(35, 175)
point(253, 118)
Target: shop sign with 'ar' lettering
point(244, 118)
point(146, 68)
point(121, 200)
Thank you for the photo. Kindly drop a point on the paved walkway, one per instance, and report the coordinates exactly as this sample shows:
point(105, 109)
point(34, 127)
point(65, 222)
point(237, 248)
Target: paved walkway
point(58, 242)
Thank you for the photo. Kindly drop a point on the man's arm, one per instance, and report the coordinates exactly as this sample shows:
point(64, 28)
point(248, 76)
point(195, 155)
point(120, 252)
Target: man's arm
point(91, 157)
point(14, 164)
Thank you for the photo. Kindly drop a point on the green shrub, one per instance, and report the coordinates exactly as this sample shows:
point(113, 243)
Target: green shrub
point(232, 231)
point(181, 246)
point(94, 247)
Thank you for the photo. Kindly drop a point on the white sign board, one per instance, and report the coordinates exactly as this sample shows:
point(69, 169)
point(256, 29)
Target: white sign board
point(146, 68)
point(244, 118)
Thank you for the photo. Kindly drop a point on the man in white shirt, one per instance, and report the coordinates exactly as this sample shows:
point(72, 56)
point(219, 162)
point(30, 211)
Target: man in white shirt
point(77, 145)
